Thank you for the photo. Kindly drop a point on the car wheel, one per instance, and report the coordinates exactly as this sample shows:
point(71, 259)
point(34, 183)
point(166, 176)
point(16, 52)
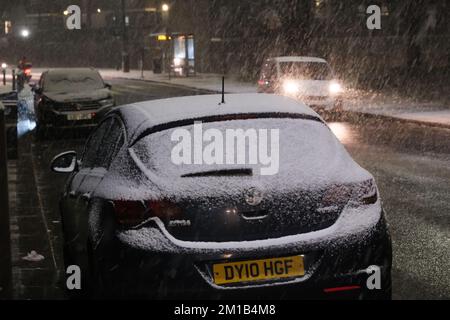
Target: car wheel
point(101, 232)
point(384, 293)
point(91, 287)
point(70, 261)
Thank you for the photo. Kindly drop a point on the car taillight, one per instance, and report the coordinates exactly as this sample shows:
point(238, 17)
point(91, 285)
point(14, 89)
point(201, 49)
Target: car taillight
point(132, 213)
point(27, 72)
point(364, 193)
point(336, 195)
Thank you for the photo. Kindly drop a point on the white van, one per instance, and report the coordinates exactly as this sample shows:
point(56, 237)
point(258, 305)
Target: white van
point(309, 79)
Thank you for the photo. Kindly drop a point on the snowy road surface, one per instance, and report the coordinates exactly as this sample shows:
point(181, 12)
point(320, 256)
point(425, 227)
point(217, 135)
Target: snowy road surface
point(412, 170)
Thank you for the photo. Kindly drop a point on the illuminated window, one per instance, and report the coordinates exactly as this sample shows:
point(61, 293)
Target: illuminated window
point(7, 27)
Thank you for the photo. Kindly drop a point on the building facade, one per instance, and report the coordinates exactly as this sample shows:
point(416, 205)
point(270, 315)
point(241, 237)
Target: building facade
point(232, 36)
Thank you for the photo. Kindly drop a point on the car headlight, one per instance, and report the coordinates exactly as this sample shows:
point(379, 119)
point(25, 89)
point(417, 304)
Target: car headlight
point(335, 88)
point(106, 102)
point(290, 87)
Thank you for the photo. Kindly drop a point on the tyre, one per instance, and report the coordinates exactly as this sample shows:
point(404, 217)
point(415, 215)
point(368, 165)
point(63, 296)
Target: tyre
point(40, 131)
point(90, 281)
point(76, 253)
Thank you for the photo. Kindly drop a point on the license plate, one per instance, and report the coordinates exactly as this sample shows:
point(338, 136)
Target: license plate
point(254, 270)
point(79, 116)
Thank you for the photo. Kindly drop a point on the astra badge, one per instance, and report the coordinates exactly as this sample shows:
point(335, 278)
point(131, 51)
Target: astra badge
point(179, 223)
point(253, 197)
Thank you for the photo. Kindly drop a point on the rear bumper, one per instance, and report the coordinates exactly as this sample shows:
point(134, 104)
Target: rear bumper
point(132, 271)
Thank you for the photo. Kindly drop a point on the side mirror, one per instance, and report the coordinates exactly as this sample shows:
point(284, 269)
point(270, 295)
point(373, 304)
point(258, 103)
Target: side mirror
point(108, 86)
point(65, 162)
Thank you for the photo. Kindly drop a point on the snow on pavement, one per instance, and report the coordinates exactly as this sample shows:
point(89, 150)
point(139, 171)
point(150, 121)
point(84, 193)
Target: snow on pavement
point(442, 117)
point(5, 89)
point(399, 107)
point(203, 81)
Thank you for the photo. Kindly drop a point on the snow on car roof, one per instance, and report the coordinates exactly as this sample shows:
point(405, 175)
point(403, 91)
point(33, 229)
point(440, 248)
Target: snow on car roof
point(158, 112)
point(63, 71)
point(298, 59)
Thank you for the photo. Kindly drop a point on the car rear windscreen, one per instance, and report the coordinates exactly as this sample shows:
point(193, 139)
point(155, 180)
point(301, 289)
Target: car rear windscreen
point(273, 147)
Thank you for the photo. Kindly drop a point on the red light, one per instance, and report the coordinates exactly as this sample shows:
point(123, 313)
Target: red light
point(129, 213)
point(132, 213)
point(164, 209)
point(27, 72)
point(261, 82)
point(338, 289)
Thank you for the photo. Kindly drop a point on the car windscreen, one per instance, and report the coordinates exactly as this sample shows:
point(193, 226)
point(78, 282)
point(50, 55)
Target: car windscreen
point(306, 70)
point(278, 147)
point(73, 81)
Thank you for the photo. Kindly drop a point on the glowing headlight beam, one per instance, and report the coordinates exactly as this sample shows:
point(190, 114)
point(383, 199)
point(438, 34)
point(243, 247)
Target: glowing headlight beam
point(335, 88)
point(290, 87)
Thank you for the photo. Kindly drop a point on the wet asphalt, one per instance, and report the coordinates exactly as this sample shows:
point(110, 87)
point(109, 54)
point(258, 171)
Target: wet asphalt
point(411, 164)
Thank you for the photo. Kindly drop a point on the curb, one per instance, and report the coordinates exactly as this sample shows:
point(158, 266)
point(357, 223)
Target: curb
point(358, 117)
point(171, 84)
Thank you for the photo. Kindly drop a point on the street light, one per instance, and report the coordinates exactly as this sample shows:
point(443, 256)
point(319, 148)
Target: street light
point(165, 7)
point(25, 33)
point(65, 12)
point(99, 10)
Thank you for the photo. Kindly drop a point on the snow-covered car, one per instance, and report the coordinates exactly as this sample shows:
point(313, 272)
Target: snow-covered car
point(140, 222)
point(308, 79)
point(69, 97)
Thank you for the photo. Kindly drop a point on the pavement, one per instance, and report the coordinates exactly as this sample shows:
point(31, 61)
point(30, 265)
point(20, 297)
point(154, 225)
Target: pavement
point(212, 82)
point(5, 88)
point(35, 276)
point(401, 107)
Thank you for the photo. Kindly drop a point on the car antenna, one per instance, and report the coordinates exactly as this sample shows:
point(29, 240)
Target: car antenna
point(223, 90)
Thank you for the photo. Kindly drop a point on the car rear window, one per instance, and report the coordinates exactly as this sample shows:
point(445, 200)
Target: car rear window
point(300, 145)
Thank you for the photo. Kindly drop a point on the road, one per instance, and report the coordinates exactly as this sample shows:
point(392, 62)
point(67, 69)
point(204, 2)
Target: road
point(410, 163)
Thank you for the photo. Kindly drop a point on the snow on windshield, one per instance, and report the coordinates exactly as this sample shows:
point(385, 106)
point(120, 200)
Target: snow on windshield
point(308, 154)
point(73, 81)
point(306, 70)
